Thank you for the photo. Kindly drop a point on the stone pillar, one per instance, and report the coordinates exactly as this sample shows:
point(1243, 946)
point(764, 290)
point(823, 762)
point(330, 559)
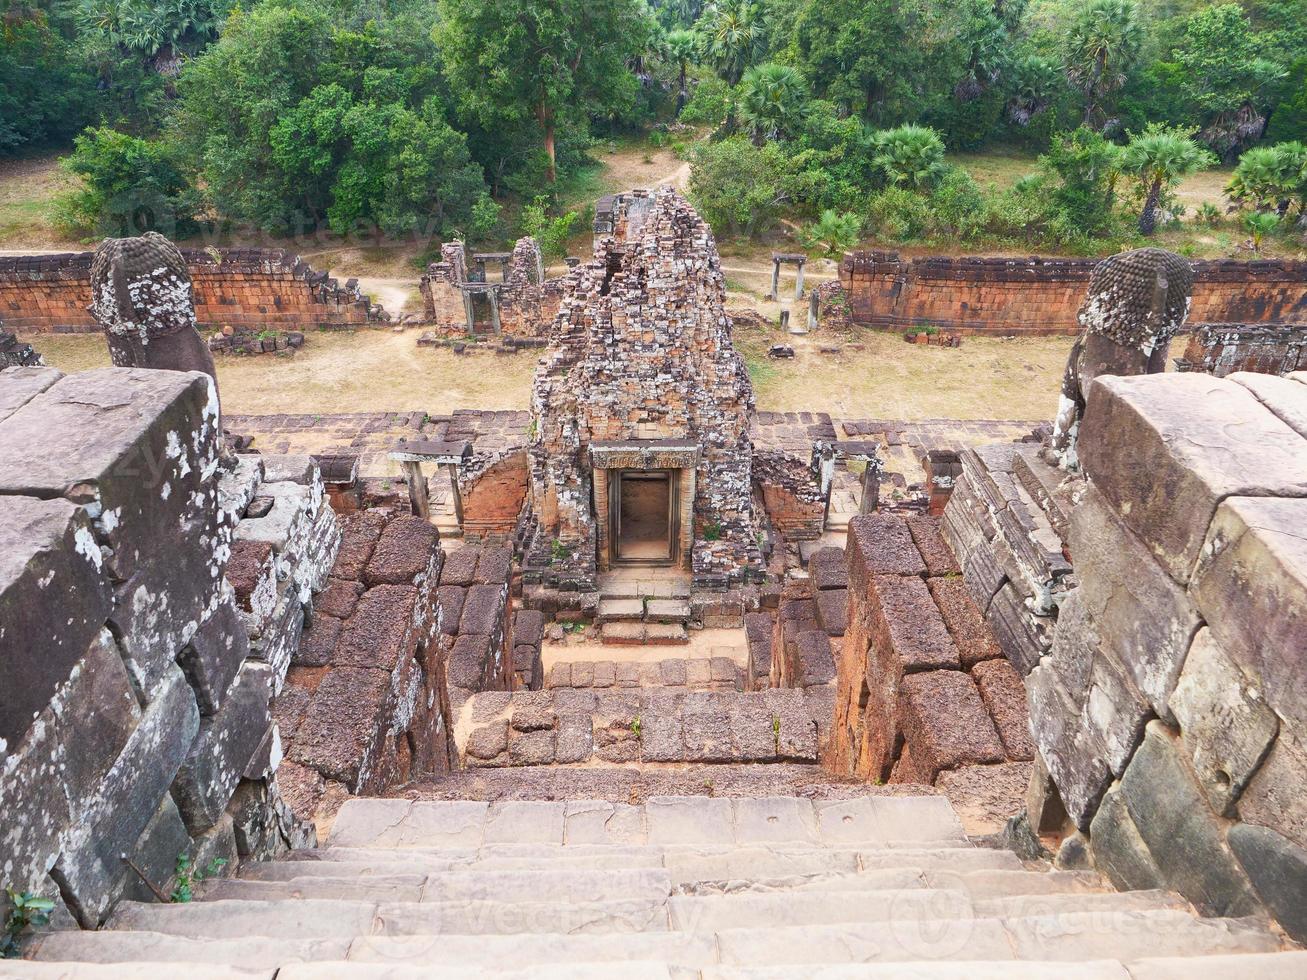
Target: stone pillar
point(418, 498)
point(812, 311)
point(775, 279)
point(798, 282)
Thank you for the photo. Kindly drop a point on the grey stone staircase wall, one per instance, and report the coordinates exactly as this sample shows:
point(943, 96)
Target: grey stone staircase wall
point(134, 701)
point(1171, 710)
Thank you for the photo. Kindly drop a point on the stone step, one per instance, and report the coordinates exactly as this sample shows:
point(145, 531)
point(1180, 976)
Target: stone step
point(906, 902)
point(378, 971)
point(670, 820)
point(684, 864)
point(1072, 936)
point(667, 611)
point(570, 887)
point(248, 952)
point(1246, 966)
point(619, 610)
point(672, 675)
point(18, 970)
point(327, 918)
point(626, 633)
point(979, 885)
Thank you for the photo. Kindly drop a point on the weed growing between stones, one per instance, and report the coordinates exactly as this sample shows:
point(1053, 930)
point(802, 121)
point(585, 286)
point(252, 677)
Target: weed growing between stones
point(188, 876)
point(25, 911)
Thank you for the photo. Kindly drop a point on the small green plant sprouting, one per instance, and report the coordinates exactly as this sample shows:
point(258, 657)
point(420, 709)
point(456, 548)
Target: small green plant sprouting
point(533, 430)
point(188, 876)
point(712, 532)
point(573, 627)
point(559, 551)
point(776, 732)
point(635, 726)
point(1208, 214)
point(26, 911)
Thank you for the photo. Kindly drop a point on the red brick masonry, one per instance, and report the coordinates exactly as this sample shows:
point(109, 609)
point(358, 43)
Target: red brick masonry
point(1041, 295)
point(241, 287)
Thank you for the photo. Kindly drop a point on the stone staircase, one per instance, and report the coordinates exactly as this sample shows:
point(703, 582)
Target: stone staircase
point(720, 889)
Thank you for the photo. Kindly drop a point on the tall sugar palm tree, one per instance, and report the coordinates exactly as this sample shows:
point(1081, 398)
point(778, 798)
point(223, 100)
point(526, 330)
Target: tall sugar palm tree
point(680, 48)
point(732, 37)
point(1159, 157)
point(1100, 48)
point(773, 99)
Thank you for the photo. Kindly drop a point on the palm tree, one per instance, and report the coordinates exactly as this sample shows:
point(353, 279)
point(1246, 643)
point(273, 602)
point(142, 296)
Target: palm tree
point(773, 100)
point(1259, 225)
point(680, 49)
point(833, 234)
point(1271, 178)
point(1101, 45)
point(732, 37)
point(909, 156)
point(1159, 157)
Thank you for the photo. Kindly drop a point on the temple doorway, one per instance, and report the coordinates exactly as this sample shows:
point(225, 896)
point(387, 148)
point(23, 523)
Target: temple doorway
point(643, 522)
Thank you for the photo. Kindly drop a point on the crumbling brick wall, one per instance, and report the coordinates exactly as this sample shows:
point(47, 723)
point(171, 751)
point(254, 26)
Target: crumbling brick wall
point(494, 487)
point(642, 352)
point(1171, 711)
point(923, 690)
point(791, 494)
point(1223, 348)
point(239, 287)
point(134, 719)
point(1041, 296)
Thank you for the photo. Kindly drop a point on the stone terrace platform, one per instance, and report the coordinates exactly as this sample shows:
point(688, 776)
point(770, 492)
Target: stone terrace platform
point(373, 434)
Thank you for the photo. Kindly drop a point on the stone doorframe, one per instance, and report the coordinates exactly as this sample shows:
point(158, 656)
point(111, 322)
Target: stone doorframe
point(645, 454)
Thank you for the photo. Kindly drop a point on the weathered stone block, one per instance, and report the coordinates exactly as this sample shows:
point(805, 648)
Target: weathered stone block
point(1142, 616)
point(1285, 398)
point(341, 733)
point(1224, 721)
point(215, 653)
point(19, 385)
point(535, 748)
point(945, 724)
point(575, 741)
point(829, 568)
point(1075, 756)
point(1166, 449)
point(1117, 849)
point(483, 610)
point(359, 534)
point(470, 662)
point(910, 624)
point(156, 853)
point(935, 553)
point(148, 473)
point(1023, 636)
point(381, 632)
point(339, 598)
point(1004, 694)
point(403, 553)
point(833, 610)
point(53, 603)
point(460, 567)
point(815, 661)
point(880, 544)
point(1276, 796)
point(1278, 870)
point(222, 751)
point(1251, 587)
point(965, 624)
point(494, 565)
point(1182, 834)
point(90, 868)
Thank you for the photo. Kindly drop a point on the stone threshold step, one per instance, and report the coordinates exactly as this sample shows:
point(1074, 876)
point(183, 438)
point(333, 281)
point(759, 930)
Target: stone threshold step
point(695, 673)
point(869, 821)
point(643, 634)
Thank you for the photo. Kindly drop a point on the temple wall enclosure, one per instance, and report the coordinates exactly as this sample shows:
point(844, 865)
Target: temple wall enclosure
point(257, 288)
point(1041, 295)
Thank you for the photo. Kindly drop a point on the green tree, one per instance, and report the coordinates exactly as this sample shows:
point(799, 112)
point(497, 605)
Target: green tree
point(161, 32)
point(681, 46)
point(1159, 157)
point(1101, 46)
point(773, 100)
point(1224, 77)
point(1083, 168)
point(732, 37)
point(909, 156)
point(128, 186)
point(511, 61)
point(741, 189)
point(1289, 118)
point(1259, 225)
point(45, 95)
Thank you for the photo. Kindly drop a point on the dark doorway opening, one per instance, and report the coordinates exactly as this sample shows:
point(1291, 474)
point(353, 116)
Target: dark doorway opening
point(644, 522)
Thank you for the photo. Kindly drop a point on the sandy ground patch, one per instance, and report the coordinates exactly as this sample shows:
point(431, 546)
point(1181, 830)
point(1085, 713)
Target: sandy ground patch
point(380, 370)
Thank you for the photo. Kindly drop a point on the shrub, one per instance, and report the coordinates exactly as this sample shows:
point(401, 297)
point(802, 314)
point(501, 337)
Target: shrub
point(709, 104)
point(129, 186)
point(741, 189)
point(1083, 168)
point(909, 156)
point(957, 203)
point(833, 234)
point(551, 233)
point(1271, 178)
point(899, 214)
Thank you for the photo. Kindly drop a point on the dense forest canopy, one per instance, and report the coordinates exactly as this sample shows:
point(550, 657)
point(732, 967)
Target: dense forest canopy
point(440, 116)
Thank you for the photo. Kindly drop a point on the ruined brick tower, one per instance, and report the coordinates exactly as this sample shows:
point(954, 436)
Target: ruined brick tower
point(640, 450)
